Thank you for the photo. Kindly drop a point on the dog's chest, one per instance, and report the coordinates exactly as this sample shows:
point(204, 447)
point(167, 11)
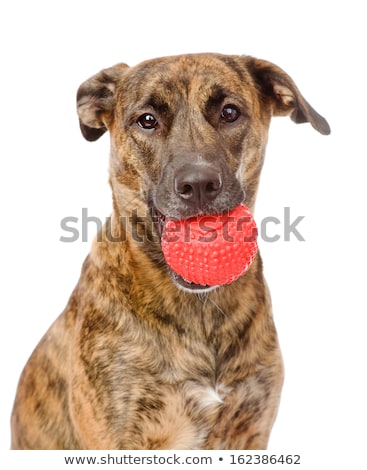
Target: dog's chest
point(208, 399)
point(189, 413)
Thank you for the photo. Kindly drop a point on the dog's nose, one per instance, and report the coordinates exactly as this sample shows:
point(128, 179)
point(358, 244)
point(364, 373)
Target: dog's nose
point(198, 184)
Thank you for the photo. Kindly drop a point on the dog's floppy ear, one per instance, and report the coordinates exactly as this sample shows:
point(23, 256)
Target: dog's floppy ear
point(283, 95)
point(95, 101)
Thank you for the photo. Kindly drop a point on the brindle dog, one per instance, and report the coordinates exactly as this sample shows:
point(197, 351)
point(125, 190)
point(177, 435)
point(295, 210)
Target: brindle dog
point(141, 358)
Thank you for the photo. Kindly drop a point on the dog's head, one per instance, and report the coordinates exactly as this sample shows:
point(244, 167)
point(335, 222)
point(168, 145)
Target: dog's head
point(188, 133)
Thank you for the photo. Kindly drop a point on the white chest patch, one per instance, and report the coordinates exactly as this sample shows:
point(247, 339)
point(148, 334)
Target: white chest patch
point(215, 395)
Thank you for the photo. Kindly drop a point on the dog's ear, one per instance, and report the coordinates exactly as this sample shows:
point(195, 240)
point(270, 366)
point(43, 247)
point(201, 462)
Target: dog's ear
point(283, 95)
point(95, 101)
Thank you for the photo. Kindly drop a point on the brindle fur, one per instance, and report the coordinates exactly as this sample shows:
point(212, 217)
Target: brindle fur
point(135, 362)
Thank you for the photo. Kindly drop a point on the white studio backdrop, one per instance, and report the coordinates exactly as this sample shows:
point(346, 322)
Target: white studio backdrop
point(48, 172)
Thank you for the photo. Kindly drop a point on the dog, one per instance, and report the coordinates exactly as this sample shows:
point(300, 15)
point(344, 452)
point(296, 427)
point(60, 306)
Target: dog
point(141, 358)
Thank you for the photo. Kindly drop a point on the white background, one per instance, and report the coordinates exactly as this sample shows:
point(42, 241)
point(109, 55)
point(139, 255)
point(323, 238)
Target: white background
point(49, 172)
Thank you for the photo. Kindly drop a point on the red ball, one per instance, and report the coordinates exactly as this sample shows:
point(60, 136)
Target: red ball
point(211, 250)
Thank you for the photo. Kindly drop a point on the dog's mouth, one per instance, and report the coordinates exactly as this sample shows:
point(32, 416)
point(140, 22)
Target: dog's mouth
point(158, 221)
point(189, 286)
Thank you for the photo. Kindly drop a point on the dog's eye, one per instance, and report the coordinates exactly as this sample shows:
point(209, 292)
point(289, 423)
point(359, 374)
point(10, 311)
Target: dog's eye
point(230, 113)
point(147, 121)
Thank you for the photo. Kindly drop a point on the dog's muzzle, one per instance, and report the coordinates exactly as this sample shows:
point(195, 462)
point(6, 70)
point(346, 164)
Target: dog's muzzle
point(194, 189)
point(197, 185)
